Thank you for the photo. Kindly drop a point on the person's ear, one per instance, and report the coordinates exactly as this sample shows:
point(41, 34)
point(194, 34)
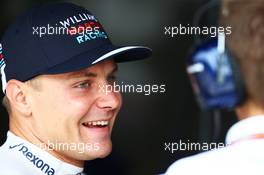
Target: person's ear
point(17, 96)
point(257, 36)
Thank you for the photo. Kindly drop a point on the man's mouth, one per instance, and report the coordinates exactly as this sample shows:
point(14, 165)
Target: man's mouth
point(96, 124)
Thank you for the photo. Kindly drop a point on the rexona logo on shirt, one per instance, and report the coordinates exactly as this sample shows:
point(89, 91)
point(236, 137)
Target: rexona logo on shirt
point(44, 167)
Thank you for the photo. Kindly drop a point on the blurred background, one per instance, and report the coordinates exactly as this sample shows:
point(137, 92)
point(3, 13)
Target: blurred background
point(145, 123)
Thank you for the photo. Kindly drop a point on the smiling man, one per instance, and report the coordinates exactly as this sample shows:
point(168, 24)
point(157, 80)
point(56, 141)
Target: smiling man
point(59, 116)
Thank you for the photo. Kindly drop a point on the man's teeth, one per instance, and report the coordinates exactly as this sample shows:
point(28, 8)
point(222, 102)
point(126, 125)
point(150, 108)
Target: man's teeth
point(96, 123)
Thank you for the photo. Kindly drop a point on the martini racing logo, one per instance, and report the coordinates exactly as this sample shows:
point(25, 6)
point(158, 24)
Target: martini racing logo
point(34, 159)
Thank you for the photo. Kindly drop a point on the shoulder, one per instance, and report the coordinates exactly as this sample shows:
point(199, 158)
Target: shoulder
point(11, 163)
point(209, 162)
point(12, 167)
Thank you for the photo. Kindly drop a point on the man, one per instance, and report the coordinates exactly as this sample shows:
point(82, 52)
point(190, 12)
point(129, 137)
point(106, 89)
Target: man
point(243, 154)
point(56, 61)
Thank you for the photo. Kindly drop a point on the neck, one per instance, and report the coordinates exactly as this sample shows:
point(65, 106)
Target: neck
point(248, 109)
point(27, 134)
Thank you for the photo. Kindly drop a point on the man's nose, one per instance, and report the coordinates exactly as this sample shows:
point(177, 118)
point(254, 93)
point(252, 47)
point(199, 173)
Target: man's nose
point(109, 99)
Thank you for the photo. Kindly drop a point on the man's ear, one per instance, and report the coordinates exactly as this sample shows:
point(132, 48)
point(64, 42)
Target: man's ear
point(17, 96)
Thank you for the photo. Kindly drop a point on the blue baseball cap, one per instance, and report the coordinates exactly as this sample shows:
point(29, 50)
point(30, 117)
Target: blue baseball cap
point(58, 38)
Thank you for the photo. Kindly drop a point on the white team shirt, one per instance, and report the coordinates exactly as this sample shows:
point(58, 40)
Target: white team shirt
point(20, 157)
point(243, 156)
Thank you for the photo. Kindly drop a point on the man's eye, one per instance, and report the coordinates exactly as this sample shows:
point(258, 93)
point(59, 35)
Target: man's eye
point(83, 85)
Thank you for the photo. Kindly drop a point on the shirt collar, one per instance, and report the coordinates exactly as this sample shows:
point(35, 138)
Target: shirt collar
point(245, 128)
point(59, 166)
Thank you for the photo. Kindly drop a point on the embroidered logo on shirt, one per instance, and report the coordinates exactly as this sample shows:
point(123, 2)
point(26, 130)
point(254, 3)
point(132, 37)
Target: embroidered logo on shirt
point(14, 146)
point(39, 163)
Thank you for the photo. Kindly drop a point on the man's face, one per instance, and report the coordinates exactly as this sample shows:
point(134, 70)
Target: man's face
point(73, 112)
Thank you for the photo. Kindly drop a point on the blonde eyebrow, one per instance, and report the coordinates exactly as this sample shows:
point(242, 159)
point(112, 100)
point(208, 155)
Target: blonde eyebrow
point(88, 74)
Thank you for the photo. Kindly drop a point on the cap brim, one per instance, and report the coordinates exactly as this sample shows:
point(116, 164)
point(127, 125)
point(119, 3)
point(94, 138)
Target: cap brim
point(91, 57)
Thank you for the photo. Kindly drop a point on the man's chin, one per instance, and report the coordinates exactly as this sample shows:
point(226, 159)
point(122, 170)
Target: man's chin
point(102, 152)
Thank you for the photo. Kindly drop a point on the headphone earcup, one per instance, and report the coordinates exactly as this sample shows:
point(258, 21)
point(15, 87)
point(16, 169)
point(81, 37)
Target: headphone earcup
point(238, 78)
point(215, 77)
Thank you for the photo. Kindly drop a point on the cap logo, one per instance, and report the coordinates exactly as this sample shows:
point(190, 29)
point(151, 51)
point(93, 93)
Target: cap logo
point(2, 61)
point(2, 69)
point(84, 27)
point(76, 19)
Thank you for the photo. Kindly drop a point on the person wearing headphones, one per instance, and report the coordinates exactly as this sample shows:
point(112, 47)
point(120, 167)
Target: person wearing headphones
point(52, 78)
point(231, 76)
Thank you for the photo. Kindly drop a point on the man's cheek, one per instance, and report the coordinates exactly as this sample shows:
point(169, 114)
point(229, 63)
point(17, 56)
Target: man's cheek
point(120, 99)
point(81, 104)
